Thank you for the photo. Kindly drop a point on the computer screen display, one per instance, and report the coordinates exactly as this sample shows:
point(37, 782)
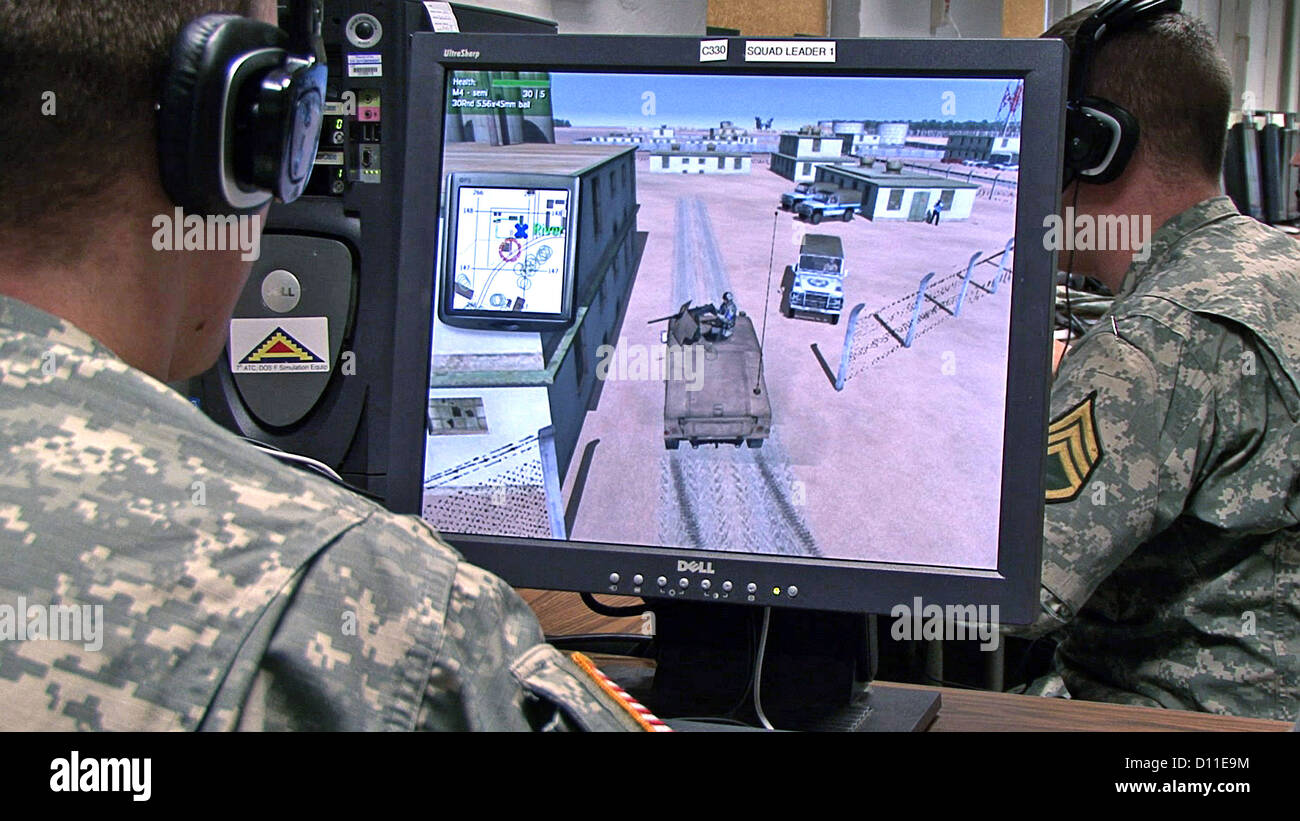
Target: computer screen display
point(793, 337)
point(510, 255)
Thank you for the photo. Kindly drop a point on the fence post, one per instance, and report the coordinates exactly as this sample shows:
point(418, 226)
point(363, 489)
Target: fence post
point(965, 281)
point(551, 482)
point(1002, 266)
point(842, 375)
point(916, 308)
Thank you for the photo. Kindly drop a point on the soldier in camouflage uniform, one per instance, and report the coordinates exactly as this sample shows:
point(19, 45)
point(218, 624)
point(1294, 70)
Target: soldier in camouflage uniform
point(228, 591)
point(1172, 551)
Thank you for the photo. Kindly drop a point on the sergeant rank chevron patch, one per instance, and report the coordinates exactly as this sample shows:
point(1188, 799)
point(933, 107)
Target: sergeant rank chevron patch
point(1073, 451)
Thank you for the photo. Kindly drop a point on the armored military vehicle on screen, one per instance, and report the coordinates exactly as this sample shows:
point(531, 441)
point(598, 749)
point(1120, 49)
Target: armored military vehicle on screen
point(813, 288)
point(803, 191)
point(839, 203)
point(726, 402)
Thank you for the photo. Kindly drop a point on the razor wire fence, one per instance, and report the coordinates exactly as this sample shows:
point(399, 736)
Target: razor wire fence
point(502, 492)
point(870, 339)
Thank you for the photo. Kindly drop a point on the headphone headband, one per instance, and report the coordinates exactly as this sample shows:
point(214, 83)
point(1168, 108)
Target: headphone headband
point(1113, 16)
point(1101, 136)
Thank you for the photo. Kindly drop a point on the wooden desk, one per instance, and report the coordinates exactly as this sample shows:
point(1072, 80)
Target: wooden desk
point(963, 710)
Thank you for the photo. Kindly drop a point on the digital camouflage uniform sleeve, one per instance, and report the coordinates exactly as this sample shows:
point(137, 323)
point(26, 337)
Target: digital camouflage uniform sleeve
point(235, 592)
point(1131, 410)
point(389, 629)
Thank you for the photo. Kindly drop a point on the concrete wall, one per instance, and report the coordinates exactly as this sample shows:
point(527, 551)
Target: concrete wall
point(916, 18)
point(613, 16)
point(1259, 38)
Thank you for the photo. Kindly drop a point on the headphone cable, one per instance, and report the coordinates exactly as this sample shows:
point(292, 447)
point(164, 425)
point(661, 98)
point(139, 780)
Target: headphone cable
point(1069, 272)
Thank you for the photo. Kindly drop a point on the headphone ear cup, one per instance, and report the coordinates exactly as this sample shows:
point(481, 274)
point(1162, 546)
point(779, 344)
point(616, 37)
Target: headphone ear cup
point(197, 104)
point(1100, 140)
point(179, 125)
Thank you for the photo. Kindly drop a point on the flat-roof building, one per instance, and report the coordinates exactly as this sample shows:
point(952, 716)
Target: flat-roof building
point(699, 162)
point(982, 147)
point(799, 154)
point(891, 195)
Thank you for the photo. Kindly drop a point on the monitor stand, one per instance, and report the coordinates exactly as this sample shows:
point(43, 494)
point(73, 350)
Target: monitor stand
point(817, 671)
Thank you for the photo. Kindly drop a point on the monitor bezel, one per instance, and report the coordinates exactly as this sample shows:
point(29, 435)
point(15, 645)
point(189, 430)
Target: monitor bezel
point(823, 584)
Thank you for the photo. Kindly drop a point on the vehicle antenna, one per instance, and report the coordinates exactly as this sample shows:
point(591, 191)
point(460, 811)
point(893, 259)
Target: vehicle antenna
point(767, 294)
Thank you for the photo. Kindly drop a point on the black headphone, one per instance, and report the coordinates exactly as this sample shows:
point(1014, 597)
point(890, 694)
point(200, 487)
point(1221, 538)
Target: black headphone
point(240, 111)
point(1100, 136)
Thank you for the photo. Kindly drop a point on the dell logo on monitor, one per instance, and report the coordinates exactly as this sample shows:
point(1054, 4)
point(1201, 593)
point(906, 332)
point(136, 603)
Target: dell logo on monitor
point(684, 566)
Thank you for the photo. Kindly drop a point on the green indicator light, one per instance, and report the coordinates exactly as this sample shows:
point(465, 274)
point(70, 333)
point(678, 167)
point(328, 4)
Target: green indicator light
point(338, 124)
point(776, 591)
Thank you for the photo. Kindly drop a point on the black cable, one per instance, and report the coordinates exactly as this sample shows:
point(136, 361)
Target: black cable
point(751, 651)
point(611, 610)
point(267, 447)
point(1069, 272)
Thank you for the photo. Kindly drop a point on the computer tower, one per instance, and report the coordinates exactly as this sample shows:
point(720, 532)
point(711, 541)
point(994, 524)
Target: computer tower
point(309, 365)
point(1291, 145)
point(1272, 168)
point(1241, 177)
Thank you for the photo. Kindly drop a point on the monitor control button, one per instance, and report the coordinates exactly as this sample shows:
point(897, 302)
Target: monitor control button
point(751, 588)
point(614, 578)
point(726, 587)
point(792, 591)
point(706, 584)
point(638, 580)
point(683, 582)
point(662, 581)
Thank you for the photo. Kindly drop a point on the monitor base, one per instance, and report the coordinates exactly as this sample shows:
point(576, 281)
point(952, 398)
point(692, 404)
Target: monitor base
point(872, 709)
point(816, 671)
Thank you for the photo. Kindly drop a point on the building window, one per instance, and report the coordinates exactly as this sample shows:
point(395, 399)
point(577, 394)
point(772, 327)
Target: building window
point(804, 167)
point(895, 199)
point(735, 163)
point(817, 146)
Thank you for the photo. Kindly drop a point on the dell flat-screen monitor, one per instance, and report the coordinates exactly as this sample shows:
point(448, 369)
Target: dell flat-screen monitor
point(804, 358)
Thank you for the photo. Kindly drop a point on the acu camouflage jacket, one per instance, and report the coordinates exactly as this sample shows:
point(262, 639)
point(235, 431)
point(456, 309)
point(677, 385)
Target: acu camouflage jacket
point(233, 592)
point(1172, 549)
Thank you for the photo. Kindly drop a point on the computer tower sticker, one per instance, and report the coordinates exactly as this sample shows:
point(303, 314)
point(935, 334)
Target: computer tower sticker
point(279, 345)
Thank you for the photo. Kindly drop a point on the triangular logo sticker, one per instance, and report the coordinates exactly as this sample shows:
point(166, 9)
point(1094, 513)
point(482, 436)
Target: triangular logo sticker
point(279, 346)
